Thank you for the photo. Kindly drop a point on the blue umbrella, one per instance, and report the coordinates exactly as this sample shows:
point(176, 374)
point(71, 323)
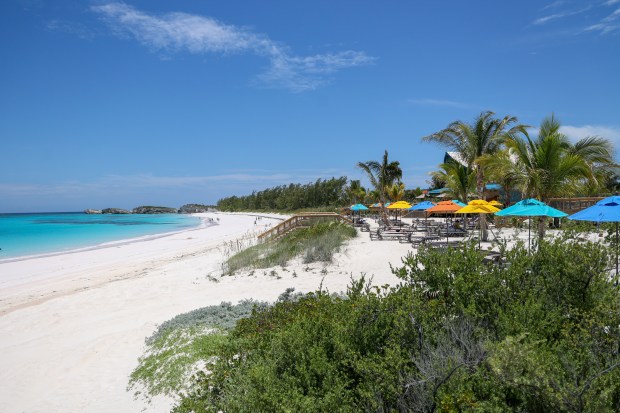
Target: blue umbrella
point(422, 206)
point(530, 208)
point(459, 203)
point(606, 210)
point(359, 207)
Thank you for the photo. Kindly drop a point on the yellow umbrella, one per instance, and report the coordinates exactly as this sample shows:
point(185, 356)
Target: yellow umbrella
point(496, 203)
point(399, 205)
point(478, 206)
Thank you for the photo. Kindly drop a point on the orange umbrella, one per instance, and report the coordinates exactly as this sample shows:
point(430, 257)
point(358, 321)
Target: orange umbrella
point(445, 207)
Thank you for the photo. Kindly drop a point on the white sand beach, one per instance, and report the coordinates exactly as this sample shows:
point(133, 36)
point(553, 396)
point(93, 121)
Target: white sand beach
point(73, 325)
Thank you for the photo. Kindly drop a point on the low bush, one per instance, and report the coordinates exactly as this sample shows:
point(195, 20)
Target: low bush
point(185, 345)
point(541, 332)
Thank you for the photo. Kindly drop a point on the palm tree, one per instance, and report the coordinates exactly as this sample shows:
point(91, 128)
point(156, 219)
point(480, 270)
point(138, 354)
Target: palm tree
point(459, 180)
point(550, 166)
point(500, 169)
point(356, 192)
point(396, 191)
point(381, 175)
point(472, 141)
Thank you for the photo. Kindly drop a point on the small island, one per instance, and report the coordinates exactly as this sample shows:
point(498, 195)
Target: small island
point(154, 210)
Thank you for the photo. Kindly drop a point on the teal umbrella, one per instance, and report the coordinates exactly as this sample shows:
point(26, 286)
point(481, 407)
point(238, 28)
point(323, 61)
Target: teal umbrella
point(359, 207)
point(459, 203)
point(530, 208)
point(606, 210)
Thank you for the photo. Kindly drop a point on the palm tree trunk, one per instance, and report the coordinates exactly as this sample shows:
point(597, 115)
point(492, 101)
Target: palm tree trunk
point(384, 215)
point(542, 221)
point(480, 189)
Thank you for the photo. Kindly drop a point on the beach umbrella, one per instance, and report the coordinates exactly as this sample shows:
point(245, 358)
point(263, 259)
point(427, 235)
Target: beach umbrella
point(606, 210)
point(530, 208)
point(400, 205)
point(445, 207)
point(422, 206)
point(496, 203)
point(459, 203)
point(478, 206)
point(359, 207)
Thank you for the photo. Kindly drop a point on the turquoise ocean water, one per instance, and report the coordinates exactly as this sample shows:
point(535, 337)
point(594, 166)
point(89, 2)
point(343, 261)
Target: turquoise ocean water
point(35, 234)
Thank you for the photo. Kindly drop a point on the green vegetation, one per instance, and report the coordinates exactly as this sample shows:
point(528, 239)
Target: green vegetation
point(477, 141)
point(184, 345)
point(316, 243)
point(539, 334)
point(382, 175)
point(320, 194)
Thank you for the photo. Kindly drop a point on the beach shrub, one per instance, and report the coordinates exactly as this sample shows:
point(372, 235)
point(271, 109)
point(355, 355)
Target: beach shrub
point(316, 243)
point(538, 332)
point(184, 345)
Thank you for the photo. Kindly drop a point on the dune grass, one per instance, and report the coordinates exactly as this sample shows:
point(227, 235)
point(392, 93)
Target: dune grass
point(316, 243)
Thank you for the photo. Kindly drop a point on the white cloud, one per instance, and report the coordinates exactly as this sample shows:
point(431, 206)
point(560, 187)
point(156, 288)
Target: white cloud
point(579, 132)
point(439, 102)
point(574, 133)
point(175, 32)
point(607, 24)
point(560, 15)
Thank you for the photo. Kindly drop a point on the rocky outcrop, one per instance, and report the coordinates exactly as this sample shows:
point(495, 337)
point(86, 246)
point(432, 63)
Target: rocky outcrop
point(194, 208)
point(92, 211)
point(114, 211)
point(154, 210)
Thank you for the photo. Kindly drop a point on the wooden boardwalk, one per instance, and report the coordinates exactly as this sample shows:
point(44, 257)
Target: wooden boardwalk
point(303, 220)
point(573, 205)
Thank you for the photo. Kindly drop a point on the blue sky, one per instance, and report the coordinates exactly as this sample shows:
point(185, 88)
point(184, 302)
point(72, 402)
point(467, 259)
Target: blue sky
point(119, 104)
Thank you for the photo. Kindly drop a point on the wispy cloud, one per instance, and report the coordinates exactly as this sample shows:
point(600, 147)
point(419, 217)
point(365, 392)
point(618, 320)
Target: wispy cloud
point(176, 32)
point(112, 184)
point(599, 18)
point(560, 15)
point(439, 102)
point(609, 23)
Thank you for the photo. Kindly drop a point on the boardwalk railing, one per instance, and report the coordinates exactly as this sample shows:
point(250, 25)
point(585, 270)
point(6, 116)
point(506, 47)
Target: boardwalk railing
point(572, 205)
point(302, 220)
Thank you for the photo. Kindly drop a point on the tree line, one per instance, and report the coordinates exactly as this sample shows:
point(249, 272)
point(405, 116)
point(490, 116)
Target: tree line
point(322, 193)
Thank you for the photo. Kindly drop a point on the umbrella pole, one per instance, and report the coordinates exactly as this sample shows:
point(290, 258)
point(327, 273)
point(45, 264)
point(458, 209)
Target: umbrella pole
point(529, 232)
point(616, 251)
